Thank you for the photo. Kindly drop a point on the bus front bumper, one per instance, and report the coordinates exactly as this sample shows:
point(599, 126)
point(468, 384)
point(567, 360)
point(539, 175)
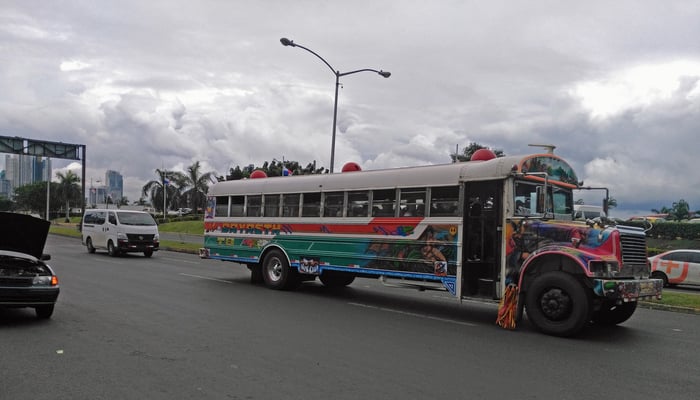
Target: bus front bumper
point(626, 290)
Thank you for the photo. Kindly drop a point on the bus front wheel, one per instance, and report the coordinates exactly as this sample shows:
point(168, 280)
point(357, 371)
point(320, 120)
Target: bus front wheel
point(277, 273)
point(611, 313)
point(558, 304)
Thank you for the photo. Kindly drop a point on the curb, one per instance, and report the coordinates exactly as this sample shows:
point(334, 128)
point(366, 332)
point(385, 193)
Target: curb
point(662, 307)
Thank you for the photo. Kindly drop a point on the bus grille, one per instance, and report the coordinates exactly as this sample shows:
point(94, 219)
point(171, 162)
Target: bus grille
point(634, 252)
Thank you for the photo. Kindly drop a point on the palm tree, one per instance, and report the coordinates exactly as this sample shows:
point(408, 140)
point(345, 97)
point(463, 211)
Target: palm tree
point(154, 189)
point(68, 189)
point(197, 185)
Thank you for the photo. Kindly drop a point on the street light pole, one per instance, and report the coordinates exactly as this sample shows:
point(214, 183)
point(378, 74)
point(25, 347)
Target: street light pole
point(338, 74)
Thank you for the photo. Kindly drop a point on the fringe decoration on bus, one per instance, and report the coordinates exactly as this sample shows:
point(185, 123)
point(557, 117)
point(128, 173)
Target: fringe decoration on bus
point(508, 308)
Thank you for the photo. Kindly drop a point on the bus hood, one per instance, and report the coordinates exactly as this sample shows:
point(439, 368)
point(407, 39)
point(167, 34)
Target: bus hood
point(23, 233)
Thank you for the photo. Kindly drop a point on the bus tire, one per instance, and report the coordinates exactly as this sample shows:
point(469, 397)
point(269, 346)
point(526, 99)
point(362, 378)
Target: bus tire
point(611, 313)
point(256, 274)
point(558, 304)
point(277, 273)
point(336, 278)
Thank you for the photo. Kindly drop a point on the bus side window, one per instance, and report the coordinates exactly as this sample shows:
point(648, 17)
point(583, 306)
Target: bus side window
point(444, 201)
point(383, 203)
point(311, 205)
point(222, 205)
point(253, 206)
point(357, 204)
point(272, 205)
point(412, 202)
point(333, 204)
point(290, 205)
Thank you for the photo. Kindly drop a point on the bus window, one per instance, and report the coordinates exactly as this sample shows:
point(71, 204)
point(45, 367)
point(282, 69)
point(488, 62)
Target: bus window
point(253, 206)
point(222, 206)
point(237, 203)
point(383, 203)
point(525, 198)
point(290, 205)
point(412, 202)
point(272, 205)
point(311, 205)
point(333, 204)
point(444, 201)
point(358, 203)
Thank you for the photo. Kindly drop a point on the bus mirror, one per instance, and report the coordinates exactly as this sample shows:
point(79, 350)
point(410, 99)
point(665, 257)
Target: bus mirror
point(540, 209)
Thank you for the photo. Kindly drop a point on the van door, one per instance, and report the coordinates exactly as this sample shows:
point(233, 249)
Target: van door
point(481, 257)
point(94, 227)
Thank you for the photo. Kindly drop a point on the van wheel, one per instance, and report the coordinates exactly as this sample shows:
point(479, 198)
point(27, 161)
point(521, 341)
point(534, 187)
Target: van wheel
point(111, 250)
point(558, 304)
point(90, 247)
point(277, 273)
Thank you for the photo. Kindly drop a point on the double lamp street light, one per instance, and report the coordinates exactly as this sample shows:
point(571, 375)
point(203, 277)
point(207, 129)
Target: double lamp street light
point(338, 74)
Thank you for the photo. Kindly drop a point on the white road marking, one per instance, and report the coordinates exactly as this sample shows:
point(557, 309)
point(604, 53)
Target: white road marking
point(452, 321)
point(179, 260)
point(204, 277)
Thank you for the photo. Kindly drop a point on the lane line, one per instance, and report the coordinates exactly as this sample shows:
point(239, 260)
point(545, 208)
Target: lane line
point(411, 314)
point(204, 277)
point(179, 260)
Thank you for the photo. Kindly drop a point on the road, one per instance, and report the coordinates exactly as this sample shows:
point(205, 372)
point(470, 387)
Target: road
point(178, 327)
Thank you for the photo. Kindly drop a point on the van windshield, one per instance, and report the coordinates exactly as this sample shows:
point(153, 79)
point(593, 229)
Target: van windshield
point(132, 218)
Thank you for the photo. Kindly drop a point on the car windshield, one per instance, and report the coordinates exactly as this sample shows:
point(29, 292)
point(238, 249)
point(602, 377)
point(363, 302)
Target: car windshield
point(132, 218)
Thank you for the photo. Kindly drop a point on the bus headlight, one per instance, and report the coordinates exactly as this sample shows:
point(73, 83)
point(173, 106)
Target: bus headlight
point(602, 268)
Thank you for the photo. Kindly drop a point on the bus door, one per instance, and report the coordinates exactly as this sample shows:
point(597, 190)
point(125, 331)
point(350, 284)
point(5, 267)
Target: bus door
point(482, 238)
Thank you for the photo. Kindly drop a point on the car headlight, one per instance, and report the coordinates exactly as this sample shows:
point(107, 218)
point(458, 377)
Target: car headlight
point(156, 238)
point(121, 236)
point(603, 268)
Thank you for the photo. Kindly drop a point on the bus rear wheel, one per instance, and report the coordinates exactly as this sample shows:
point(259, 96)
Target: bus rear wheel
point(336, 278)
point(558, 304)
point(277, 273)
point(614, 314)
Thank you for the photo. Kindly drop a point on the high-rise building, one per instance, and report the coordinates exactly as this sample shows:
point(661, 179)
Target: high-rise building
point(114, 185)
point(23, 170)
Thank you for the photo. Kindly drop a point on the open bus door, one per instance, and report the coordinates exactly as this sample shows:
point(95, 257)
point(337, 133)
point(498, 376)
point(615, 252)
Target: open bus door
point(481, 259)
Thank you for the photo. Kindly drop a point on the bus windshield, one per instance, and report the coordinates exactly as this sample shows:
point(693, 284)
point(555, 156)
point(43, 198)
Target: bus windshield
point(559, 200)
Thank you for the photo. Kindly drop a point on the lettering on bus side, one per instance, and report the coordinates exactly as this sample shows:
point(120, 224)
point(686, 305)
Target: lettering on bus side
point(243, 228)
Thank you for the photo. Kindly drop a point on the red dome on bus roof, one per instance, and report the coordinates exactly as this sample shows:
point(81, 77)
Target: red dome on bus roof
point(351, 167)
point(258, 174)
point(483, 155)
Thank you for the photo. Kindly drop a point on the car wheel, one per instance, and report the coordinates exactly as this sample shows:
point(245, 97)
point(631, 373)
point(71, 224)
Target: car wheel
point(90, 247)
point(44, 312)
point(111, 250)
point(148, 253)
point(558, 304)
point(277, 273)
point(660, 275)
point(613, 314)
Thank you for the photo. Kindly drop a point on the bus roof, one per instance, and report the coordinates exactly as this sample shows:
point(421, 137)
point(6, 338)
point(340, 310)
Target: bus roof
point(421, 176)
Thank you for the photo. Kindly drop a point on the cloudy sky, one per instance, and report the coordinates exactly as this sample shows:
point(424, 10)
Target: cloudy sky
point(615, 85)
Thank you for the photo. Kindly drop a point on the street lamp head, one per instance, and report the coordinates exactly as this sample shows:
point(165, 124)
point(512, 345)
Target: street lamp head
point(287, 42)
point(385, 74)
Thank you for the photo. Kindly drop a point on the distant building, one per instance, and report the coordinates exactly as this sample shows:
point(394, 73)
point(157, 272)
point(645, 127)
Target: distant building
point(23, 170)
point(114, 185)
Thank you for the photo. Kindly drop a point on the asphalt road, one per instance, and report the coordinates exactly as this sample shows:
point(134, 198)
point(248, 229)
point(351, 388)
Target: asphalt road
point(178, 327)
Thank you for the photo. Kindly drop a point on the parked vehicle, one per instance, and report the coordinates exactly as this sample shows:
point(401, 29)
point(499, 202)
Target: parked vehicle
point(25, 279)
point(677, 267)
point(120, 231)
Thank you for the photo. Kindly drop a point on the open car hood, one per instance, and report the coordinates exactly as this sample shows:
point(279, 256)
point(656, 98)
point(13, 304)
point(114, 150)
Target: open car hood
point(23, 233)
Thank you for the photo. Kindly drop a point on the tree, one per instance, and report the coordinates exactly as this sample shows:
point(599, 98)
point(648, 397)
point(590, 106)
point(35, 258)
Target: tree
point(170, 180)
point(680, 210)
point(471, 148)
point(68, 189)
point(274, 168)
point(197, 185)
point(32, 197)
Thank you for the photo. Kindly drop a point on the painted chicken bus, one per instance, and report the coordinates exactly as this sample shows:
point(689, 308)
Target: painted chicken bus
point(493, 229)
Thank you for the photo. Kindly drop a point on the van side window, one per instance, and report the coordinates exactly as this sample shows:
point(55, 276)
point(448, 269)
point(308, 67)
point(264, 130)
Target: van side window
point(112, 218)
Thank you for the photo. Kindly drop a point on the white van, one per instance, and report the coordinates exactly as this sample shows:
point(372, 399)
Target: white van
point(120, 231)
